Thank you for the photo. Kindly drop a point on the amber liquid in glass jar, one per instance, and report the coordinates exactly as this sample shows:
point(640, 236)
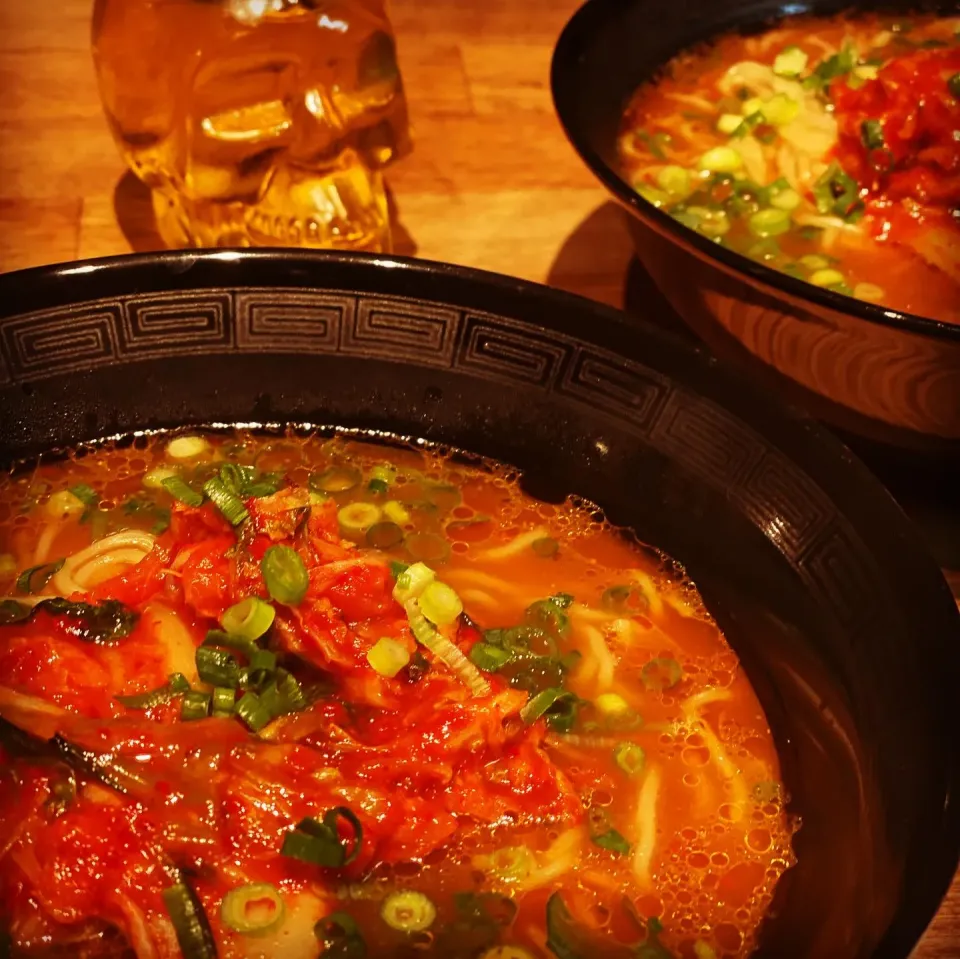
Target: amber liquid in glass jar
point(256, 122)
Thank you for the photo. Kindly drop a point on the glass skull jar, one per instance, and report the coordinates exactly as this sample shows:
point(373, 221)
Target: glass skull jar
point(256, 122)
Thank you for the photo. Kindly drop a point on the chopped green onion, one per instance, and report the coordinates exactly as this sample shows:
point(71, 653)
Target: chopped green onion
point(790, 62)
point(836, 192)
point(488, 657)
point(396, 568)
point(721, 160)
point(661, 673)
point(195, 705)
point(869, 291)
point(35, 578)
point(260, 668)
point(229, 504)
point(953, 85)
point(357, 518)
point(388, 657)
point(658, 198)
point(770, 222)
point(224, 699)
point(613, 841)
point(440, 604)
point(676, 180)
point(412, 582)
point(616, 598)
point(538, 705)
point(546, 547)
point(284, 575)
point(610, 704)
point(217, 637)
point(408, 911)
point(86, 494)
point(187, 447)
point(337, 479)
point(630, 758)
point(217, 667)
point(780, 109)
point(385, 473)
point(653, 142)
point(254, 714)
point(377, 486)
point(548, 615)
point(384, 535)
point(712, 223)
point(871, 133)
point(729, 123)
point(396, 512)
point(787, 199)
point(814, 261)
point(255, 908)
point(829, 277)
point(190, 922)
point(175, 685)
point(182, 493)
point(249, 619)
point(291, 695)
point(318, 842)
point(155, 477)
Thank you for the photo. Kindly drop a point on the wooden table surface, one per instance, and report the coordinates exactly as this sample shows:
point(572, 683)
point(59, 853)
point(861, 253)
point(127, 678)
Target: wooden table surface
point(491, 183)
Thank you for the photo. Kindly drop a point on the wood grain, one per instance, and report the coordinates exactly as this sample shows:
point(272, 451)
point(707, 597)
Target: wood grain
point(491, 183)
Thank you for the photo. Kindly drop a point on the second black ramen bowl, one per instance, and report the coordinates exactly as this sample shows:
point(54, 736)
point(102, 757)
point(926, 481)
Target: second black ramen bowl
point(889, 377)
point(843, 623)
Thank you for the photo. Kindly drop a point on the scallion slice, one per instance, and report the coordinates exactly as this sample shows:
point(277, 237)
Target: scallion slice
point(412, 581)
point(440, 604)
point(190, 922)
point(252, 711)
point(871, 133)
point(195, 705)
point(230, 505)
point(408, 911)
point(337, 479)
point(181, 492)
point(250, 618)
point(253, 909)
point(217, 667)
point(224, 699)
point(319, 843)
point(388, 657)
point(176, 685)
point(630, 758)
point(544, 701)
point(285, 575)
point(356, 518)
point(488, 657)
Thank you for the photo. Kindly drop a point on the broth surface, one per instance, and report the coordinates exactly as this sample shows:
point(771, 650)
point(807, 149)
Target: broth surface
point(349, 765)
point(826, 148)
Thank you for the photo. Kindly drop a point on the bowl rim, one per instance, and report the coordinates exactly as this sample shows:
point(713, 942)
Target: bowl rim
point(569, 47)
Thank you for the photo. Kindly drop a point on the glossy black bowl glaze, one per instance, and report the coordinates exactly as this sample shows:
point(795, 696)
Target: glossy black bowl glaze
point(844, 624)
point(888, 376)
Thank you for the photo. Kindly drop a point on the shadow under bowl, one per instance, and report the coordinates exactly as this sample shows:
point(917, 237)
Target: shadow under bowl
point(889, 377)
point(843, 623)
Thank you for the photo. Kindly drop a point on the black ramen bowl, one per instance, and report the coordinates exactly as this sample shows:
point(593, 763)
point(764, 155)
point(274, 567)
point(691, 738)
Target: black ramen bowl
point(844, 625)
point(886, 376)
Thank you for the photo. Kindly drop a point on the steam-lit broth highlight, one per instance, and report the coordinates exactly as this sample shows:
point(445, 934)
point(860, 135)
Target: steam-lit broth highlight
point(501, 726)
point(828, 149)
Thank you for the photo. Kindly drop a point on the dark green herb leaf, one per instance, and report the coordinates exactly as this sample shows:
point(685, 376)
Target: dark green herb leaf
point(318, 842)
point(32, 580)
point(953, 85)
point(103, 624)
point(613, 841)
point(85, 494)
